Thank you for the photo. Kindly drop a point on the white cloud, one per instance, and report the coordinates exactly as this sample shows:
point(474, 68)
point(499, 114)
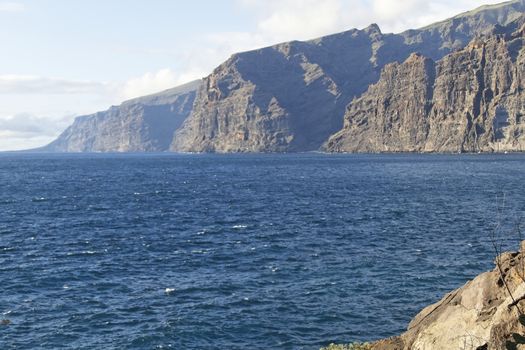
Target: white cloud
point(25, 131)
point(153, 82)
point(302, 19)
point(30, 126)
point(29, 84)
point(116, 92)
point(7, 6)
point(284, 20)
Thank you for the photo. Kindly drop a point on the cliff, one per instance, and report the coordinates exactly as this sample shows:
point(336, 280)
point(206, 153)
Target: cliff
point(292, 96)
point(472, 100)
point(481, 315)
point(144, 124)
point(288, 97)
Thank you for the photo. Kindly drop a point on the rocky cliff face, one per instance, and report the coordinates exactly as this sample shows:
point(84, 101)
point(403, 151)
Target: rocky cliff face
point(472, 100)
point(481, 315)
point(145, 124)
point(285, 98)
point(292, 96)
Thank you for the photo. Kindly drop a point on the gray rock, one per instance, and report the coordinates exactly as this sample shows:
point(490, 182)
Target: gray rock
point(289, 97)
point(292, 96)
point(472, 100)
point(144, 124)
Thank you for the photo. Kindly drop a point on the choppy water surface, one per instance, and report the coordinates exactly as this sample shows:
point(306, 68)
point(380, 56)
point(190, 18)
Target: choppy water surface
point(240, 251)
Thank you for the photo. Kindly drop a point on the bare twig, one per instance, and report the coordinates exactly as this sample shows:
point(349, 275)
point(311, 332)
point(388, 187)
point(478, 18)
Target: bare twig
point(521, 270)
point(502, 277)
point(498, 252)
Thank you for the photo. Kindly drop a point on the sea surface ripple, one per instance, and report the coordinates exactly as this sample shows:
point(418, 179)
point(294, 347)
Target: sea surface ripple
point(109, 251)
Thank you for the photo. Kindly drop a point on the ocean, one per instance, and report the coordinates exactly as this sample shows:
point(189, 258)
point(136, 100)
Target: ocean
point(292, 251)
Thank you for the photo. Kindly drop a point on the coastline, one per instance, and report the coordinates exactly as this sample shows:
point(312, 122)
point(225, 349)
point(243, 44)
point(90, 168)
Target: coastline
point(483, 314)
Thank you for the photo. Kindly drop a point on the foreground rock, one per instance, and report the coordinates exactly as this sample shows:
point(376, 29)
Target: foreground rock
point(144, 124)
point(479, 315)
point(472, 100)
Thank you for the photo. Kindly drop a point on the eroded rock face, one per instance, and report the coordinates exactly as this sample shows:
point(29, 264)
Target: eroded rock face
point(289, 97)
point(392, 115)
point(471, 100)
point(292, 96)
point(145, 124)
point(478, 315)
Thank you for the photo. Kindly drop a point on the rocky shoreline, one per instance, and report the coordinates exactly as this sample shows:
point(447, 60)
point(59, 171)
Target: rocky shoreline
point(484, 314)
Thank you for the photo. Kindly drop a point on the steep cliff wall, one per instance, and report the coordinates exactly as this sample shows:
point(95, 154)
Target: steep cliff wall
point(145, 124)
point(292, 96)
point(289, 97)
point(471, 100)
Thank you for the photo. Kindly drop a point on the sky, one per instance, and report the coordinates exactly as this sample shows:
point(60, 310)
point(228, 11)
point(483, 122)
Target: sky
point(64, 58)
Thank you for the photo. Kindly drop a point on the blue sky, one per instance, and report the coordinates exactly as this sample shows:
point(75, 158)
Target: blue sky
point(64, 58)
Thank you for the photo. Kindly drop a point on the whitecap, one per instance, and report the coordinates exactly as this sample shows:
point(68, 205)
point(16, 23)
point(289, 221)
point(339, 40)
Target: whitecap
point(239, 227)
point(84, 252)
point(169, 290)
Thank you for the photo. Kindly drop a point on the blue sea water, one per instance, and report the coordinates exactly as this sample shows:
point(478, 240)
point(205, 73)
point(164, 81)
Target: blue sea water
point(240, 251)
